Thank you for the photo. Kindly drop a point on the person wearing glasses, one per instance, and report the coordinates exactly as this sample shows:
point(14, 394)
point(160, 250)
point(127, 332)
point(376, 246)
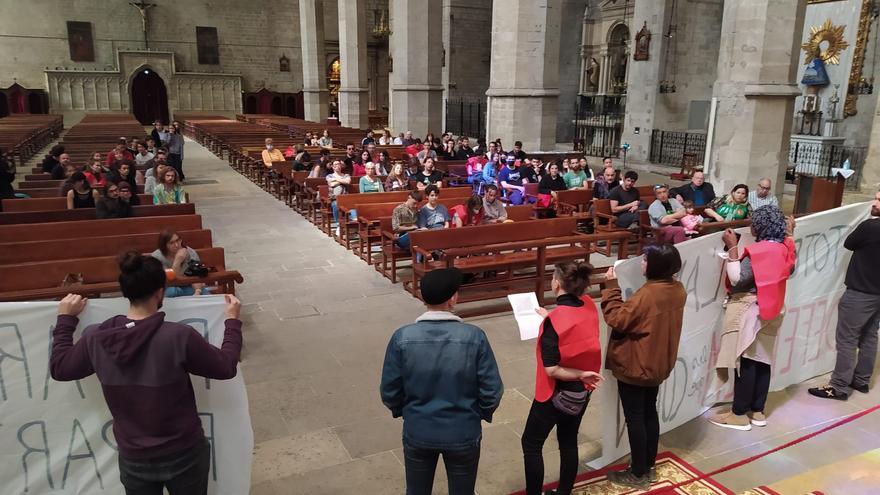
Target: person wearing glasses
point(762, 196)
point(666, 214)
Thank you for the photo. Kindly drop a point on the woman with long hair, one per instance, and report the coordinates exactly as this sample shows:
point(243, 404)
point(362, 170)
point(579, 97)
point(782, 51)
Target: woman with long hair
point(468, 214)
point(175, 256)
point(396, 180)
point(730, 207)
point(642, 350)
point(757, 276)
point(169, 191)
point(383, 163)
point(325, 141)
point(550, 184)
point(569, 358)
point(81, 194)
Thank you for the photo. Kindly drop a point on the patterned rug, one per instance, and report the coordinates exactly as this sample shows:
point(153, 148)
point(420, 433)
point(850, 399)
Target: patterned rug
point(670, 470)
point(764, 490)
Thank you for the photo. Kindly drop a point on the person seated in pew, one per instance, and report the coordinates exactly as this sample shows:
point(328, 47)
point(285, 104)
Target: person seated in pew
point(512, 181)
point(176, 256)
point(413, 149)
point(110, 206)
point(153, 177)
point(426, 152)
point(370, 182)
point(151, 146)
point(464, 149)
point(7, 177)
point(625, 201)
point(405, 218)
point(359, 165)
point(518, 152)
point(691, 222)
point(468, 214)
point(433, 215)
point(126, 172)
point(576, 177)
point(428, 176)
point(369, 139)
point(531, 170)
point(325, 141)
point(338, 182)
point(302, 160)
point(383, 163)
point(566, 166)
point(307, 140)
point(549, 185)
point(81, 194)
point(144, 157)
point(406, 139)
point(350, 158)
point(731, 207)
point(385, 139)
point(493, 208)
point(474, 169)
point(586, 168)
point(666, 214)
point(51, 160)
point(397, 180)
point(412, 169)
point(121, 147)
point(67, 185)
point(698, 190)
point(59, 170)
point(323, 167)
point(128, 194)
point(448, 151)
point(271, 154)
point(398, 141)
point(763, 195)
point(95, 175)
point(169, 191)
point(605, 183)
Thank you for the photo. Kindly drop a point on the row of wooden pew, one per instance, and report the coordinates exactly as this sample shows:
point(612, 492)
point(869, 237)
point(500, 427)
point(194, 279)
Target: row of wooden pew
point(23, 135)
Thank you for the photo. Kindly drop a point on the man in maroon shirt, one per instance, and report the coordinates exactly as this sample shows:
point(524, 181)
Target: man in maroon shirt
point(144, 364)
point(120, 148)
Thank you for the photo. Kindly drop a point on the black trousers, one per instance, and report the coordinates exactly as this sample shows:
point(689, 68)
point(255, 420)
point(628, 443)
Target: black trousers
point(185, 473)
point(421, 464)
point(176, 163)
point(751, 386)
point(542, 418)
point(642, 424)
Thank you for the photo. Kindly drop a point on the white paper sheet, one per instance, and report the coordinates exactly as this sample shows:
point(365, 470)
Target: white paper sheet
point(528, 320)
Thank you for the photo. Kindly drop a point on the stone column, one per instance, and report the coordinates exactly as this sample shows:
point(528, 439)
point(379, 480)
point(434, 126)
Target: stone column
point(353, 91)
point(643, 78)
point(871, 168)
point(524, 82)
point(311, 23)
point(603, 71)
point(417, 79)
point(755, 88)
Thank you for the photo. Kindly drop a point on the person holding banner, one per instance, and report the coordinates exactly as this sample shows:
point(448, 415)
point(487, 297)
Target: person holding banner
point(144, 364)
point(569, 357)
point(643, 348)
point(756, 282)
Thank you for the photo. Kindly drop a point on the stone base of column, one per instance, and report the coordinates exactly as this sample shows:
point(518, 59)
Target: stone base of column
point(417, 109)
point(530, 119)
point(315, 105)
point(354, 110)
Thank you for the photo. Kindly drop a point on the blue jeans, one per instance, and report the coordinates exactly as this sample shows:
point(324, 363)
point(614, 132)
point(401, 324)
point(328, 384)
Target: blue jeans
point(173, 291)
point(421, 464)
point(403, 241)
point(183, 473)
point(352, 214)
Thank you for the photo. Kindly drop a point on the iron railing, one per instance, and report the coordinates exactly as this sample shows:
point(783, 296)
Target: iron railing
point(669, 147)
point(817, 159)
point(598, 124)
point(466, 117)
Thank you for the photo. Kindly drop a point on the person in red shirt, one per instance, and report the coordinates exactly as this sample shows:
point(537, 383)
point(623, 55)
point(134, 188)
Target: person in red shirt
point(95, 175)
point(468, 214)
point(120, 148)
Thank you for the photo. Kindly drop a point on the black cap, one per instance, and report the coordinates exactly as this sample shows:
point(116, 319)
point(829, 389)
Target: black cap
point(438, 286)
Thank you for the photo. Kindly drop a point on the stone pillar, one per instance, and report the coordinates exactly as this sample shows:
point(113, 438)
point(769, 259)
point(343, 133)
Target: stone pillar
point(755, 88)
point(353, 91)
point(643, 78)
point(524, 82)
point(603, 71)
point(417, 79)
point(871, 168)
point(311, 23)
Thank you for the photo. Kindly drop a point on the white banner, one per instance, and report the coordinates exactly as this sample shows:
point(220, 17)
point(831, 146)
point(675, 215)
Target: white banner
point(57, 437)
point(804, 347)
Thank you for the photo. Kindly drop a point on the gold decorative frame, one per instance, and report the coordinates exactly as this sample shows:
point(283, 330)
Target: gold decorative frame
point(855, 74)
point(829, 33)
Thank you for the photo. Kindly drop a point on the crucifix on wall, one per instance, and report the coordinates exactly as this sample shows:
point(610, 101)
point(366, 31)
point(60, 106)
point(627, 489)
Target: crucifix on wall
point(143, 9)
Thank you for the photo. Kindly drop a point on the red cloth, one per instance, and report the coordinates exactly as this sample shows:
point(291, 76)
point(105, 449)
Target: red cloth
point(358, 169)
point(412, 150)
point(772, 264)
point(94, 181)
point(289, 152)
point(461, 210)
point(579, 348)
point(544, 200)
point(475, 164)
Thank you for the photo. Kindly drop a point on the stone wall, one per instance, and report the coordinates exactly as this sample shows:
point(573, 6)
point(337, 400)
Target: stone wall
point(570, 33)
point(252, 35)
point(467, 34)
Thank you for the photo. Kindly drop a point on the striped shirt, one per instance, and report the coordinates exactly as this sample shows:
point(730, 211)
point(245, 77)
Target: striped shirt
point(757, 202)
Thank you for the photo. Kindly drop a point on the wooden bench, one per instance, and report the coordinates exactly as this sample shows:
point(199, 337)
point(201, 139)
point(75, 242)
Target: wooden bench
point(89, 247)
point(50, 204)
point(60, 216)
point(42, 280)
point(97, 228)
point(516, 253)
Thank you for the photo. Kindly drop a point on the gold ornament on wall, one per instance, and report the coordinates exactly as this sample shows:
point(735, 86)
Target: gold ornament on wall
point(855, 74)
point(826, 42)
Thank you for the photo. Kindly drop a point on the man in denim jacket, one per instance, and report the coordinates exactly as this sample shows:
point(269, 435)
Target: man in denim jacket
point(440, 375)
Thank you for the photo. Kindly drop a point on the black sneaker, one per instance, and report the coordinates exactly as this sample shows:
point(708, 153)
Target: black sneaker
point(859, 388)
point(827, 392)
point(629, 480)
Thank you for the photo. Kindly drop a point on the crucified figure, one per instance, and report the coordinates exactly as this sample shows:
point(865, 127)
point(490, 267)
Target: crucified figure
point(142, 8)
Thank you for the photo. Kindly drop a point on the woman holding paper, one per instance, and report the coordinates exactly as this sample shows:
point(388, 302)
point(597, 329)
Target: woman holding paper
point(569, 358)
point(643, 348)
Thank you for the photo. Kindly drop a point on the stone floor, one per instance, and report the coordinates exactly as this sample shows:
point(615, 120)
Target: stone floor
point(317, 320)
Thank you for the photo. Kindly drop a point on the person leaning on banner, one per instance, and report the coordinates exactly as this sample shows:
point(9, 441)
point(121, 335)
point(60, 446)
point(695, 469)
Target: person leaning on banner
point(144, 364)
point(756, 282)
point(569, 360)
point(440, 375)
point(858, 313)
point(642, 350)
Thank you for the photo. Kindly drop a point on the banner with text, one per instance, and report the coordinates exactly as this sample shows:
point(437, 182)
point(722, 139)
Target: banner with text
point(57, 437)
point(804, 347)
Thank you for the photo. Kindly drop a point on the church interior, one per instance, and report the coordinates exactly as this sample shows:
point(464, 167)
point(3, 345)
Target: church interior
point(294, 131)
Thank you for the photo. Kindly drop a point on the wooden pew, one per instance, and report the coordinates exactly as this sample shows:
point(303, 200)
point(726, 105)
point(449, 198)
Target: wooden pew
point(42, 280)
point(518, 253)
point(89, 247)
point(61, 216)
point(49, 204)
point(97, 228)
point(55, 192)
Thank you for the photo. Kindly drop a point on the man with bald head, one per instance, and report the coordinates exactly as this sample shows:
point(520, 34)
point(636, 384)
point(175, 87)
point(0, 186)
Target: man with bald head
point(762, 196)
point(58, 170)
